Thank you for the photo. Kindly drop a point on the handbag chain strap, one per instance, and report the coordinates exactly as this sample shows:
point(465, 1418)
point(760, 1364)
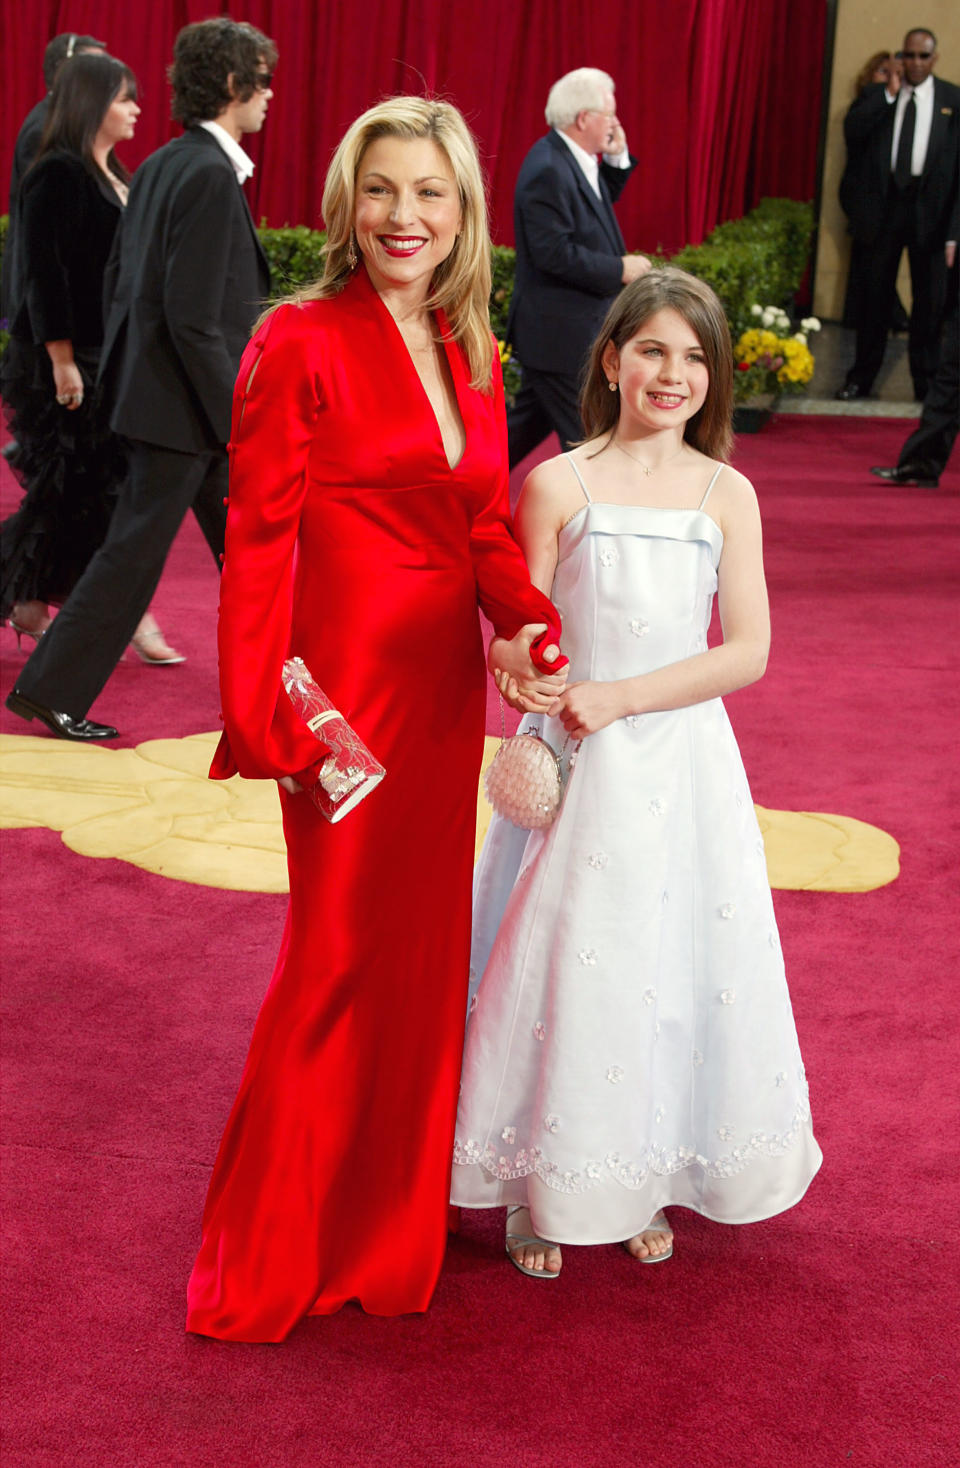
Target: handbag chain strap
point(503, 730)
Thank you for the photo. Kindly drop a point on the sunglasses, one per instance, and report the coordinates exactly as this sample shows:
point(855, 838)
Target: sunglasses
point(916, 55)
point(264, 80)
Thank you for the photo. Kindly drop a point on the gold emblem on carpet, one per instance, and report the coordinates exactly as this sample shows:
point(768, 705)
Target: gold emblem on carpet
point(154, 807)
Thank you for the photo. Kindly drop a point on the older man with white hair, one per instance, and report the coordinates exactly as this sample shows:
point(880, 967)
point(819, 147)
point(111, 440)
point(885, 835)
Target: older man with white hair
point(571, 256)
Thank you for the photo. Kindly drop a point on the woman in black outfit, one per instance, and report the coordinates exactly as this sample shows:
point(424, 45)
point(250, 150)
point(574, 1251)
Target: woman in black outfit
point(69, 462)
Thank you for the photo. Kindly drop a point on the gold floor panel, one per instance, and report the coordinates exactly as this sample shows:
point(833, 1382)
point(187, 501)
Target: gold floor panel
point(153, 806)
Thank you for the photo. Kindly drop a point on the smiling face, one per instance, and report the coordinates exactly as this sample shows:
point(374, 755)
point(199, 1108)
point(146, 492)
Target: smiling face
point(919, 56)
point(662, 374)
point(407, 212)
point(119, 120)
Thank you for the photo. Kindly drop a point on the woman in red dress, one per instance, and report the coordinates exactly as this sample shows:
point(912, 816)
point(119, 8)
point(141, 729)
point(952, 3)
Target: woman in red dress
point(368, 517)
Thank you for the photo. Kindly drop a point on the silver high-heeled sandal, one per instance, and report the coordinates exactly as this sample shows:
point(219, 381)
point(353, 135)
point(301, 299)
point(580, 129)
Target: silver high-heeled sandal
point(140, 642)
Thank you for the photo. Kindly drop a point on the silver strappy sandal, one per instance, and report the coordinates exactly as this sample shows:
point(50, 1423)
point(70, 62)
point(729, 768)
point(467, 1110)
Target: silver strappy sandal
point(520, 1241)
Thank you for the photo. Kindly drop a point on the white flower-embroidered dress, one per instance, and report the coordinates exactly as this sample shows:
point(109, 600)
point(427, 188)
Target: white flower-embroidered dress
point(630, 1043)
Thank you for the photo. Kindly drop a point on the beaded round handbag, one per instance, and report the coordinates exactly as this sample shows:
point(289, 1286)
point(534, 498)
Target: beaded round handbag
point(524, 780)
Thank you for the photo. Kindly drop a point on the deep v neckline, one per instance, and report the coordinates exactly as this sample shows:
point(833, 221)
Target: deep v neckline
point(451, 354)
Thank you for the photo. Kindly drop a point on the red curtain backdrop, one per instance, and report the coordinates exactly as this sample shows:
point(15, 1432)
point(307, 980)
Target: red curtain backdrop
point(720, 98)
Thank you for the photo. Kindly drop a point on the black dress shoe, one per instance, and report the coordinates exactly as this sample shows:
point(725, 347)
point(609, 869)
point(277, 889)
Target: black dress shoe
point(65, 726)
point(917, 475)
point(850, 392)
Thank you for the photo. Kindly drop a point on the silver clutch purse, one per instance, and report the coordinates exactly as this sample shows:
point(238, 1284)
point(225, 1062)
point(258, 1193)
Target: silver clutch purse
point(350, 771)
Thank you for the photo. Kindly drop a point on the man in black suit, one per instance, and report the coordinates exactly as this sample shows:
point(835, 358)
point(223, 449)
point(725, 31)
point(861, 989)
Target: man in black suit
point(571, 258)
point(925, 452)
point(190, 278)
point(902, 141)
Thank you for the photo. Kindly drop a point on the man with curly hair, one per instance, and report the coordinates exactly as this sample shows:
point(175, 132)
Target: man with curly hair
point(188, 279)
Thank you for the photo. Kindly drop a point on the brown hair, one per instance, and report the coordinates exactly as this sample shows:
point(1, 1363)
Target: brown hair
point(667, 289)
point(865, 74)
point(461, 284)
point(81, 98)
point(205, 55)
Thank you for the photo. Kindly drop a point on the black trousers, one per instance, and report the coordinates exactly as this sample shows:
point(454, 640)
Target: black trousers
point(74, 659)
point(928, 276)
point(547, 402)
point(928, 447)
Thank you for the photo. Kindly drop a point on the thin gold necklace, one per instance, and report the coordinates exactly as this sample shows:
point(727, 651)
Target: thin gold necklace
point(645, 467)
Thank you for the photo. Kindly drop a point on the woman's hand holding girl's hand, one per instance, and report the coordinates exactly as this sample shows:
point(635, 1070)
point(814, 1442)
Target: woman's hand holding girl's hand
point(530, 696)
point(583, 708)
point(289, 784)
point(521, 684)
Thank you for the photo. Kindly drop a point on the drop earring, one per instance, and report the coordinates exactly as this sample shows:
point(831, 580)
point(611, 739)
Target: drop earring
point(352, 252)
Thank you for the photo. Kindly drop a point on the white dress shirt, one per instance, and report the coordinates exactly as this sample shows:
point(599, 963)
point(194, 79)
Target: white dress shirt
point(588, 164)
point(921, 135)
point(243, 165)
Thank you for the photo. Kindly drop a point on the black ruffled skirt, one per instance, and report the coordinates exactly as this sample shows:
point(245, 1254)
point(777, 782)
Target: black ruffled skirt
point(70, 466)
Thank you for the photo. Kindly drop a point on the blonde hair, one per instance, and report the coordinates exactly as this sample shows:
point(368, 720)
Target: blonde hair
point(711, 428)
point(461, 283)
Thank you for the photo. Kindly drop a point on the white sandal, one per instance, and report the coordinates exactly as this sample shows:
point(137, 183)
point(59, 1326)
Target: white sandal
point(520, 1241)
point(659, 1223)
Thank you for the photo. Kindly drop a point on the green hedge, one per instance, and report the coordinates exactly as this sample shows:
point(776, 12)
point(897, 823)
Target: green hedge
point(759, 258)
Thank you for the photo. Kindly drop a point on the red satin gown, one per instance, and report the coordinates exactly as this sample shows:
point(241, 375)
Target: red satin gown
point(353, 544)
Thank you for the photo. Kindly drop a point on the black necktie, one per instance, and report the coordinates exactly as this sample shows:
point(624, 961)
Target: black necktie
point(903, 169)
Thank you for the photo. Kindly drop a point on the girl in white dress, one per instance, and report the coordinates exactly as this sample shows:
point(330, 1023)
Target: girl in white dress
point(631, 1043)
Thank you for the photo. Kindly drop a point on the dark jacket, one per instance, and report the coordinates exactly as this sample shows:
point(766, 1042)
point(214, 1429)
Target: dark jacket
point(569, 256)
point(25, 149)
point(66, 223)
point(186, 284)
point(864, 188)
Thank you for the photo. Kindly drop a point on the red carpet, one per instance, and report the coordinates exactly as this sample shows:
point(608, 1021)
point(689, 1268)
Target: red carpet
point(826, 1336)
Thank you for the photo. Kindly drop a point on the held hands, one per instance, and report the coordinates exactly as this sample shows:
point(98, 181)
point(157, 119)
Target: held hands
point(523, 687)
point(583, 708)
point(290, 785)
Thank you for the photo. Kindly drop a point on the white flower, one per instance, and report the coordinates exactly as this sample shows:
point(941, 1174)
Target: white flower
point(810, 323)
point(768, 316)
point(552, 1123)
point(756, 310)
point(615, 1074)
point(798, 336)
point(540, 1030)
point(509, 1134)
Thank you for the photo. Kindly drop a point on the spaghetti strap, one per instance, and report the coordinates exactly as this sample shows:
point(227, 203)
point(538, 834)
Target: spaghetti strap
point(713, 481)
point(586, 492)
